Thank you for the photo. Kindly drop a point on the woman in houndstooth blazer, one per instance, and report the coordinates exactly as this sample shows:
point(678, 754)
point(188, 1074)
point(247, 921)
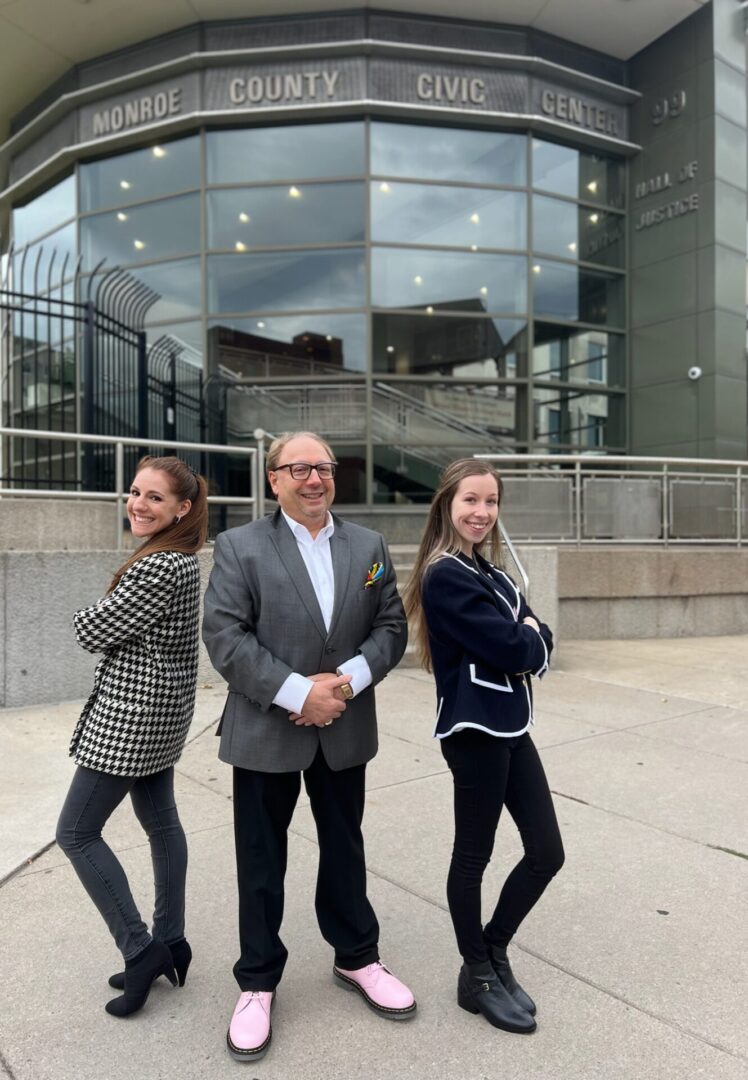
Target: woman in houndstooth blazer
point(134, 725)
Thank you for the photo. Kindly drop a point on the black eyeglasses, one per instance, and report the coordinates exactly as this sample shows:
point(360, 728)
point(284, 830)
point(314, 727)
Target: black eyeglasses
point(302, 470)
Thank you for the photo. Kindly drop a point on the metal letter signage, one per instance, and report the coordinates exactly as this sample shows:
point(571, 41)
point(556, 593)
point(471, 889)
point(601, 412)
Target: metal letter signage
point(666, 107)
point(687, 204)
point(577, 110)
point(137, 111)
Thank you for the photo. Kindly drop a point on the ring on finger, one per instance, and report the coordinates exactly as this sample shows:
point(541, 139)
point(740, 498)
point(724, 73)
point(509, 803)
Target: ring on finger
point(327, 723)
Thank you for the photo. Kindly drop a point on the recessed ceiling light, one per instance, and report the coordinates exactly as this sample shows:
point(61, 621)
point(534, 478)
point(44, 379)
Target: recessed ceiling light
point(385, 188)
point(121, 216)
point(475, 218)
point(139, 244)
point(244, 218)
point(418, 280)
point(293, 192)
point(572, 246)
point(484, 290)
point(261, 325)
point(592, 186)
point(240, 246)
point(390, 348)
point(159, 152)
point(125, 185)
point(429, 310)
point(593, 219)
point(536, 269)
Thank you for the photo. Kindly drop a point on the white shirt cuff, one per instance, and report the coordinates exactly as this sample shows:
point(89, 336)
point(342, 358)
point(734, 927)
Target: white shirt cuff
point(293, 693)
point(361, 672)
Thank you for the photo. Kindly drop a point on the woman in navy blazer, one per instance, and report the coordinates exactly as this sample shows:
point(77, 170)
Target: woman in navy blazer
point(476, 632)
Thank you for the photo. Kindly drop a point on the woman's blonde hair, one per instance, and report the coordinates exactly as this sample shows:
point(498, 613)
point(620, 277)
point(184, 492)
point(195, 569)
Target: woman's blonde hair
point(189, 533)
point(440, 538)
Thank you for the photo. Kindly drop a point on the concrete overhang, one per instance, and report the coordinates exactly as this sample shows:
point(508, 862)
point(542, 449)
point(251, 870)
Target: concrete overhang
point(42, 39)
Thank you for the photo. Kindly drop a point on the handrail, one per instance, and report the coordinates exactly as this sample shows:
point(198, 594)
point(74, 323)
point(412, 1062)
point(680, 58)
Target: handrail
point(688, 501)
point(254, 454)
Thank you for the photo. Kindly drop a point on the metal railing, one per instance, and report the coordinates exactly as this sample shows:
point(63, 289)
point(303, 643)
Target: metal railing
point(590, 499)
point(255, 458)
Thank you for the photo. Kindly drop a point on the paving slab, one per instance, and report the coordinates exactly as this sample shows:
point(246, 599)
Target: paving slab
point(634, 954)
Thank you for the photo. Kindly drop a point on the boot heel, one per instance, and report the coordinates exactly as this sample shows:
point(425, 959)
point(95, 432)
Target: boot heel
point(171, 975)
point(465, 1003)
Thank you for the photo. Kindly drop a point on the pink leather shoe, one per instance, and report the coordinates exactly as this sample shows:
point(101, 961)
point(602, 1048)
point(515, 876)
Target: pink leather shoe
point(379, 988)
point(249, 1034)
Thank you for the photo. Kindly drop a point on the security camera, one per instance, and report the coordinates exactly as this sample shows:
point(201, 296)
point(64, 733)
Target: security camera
point(694, 372)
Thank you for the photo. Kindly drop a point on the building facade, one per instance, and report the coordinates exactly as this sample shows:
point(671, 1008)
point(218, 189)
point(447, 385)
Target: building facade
point(420, 237)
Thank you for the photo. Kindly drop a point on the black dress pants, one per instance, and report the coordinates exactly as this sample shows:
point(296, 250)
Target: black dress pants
point(491, 772)
point(263, 807)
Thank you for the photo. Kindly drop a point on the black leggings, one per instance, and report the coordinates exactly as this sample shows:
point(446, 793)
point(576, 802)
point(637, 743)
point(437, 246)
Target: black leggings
point(490, 772)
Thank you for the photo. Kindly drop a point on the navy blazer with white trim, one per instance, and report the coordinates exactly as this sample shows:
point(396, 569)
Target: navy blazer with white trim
point(482, 653)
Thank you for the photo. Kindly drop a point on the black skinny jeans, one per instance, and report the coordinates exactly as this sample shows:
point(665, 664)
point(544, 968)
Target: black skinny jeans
point(91, 800)
point(490, 772)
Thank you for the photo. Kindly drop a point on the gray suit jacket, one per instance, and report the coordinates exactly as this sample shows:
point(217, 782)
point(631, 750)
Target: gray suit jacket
point(263, 621)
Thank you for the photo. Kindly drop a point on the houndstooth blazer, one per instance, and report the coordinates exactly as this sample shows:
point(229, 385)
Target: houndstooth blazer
point(136, 719)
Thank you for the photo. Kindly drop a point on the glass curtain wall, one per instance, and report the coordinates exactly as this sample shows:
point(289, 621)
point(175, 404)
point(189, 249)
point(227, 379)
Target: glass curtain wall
point(412, 292)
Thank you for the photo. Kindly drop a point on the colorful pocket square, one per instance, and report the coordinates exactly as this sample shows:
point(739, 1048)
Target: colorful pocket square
point(376, 573)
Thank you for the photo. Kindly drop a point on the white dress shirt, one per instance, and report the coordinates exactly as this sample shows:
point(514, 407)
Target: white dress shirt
point(315, 551)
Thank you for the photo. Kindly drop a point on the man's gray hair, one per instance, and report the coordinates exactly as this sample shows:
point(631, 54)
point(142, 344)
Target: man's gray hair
point(276, 447)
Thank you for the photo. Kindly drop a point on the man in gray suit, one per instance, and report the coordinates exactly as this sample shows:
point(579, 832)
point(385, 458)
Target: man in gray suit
point(302, 618)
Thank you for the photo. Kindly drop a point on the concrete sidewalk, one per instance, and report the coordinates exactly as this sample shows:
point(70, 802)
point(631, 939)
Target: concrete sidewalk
point(636, 955)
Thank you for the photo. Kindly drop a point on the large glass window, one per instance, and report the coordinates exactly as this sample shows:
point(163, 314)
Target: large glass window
point(174, 289)
point(569, 292)
point(445, 153)
point(157, 230)
point(450, 216)
point(569, 354)
point(282, 281)
point(44, 213)
point(430, 280)
point(243, 218)
point(566, 418)
point(466, 347)
point(575, 232)
point(295, 152)
point(295, 346)
point(142, 174)
point(579, 174)
point(42, 266)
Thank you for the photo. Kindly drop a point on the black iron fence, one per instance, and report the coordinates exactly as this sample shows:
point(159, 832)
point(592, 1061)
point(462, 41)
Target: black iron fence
point(74, 357)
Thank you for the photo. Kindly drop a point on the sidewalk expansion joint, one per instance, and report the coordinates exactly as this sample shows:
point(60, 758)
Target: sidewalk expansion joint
point(648, 824)
point(22, 866)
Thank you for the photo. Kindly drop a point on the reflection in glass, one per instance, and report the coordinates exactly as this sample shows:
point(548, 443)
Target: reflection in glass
point(300, 214)
point(44, 212)
point(462, 217)
point(446, 153)
point(573, 232)
point(568, 292)
point(449, 345)
point(40, 267)
point(297, 345)
point(569, 354)
point(336, 411)
point(157, 230)
point(185, 340)
point(579, 174)
point(295, 152)
point(566, 418)
point(448, 414)
point(282, 281)
point(142, 174)
point(410, 474)
point(175, 288)
point(448, 280)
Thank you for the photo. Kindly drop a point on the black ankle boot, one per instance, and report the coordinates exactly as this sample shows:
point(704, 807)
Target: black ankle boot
point(140, 974)
point(500, 964)
point(181, 954)
point(479, 990)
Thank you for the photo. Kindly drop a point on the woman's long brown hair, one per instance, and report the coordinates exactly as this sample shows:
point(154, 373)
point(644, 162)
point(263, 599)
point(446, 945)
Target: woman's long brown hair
point(187, 535)
point(440, 538)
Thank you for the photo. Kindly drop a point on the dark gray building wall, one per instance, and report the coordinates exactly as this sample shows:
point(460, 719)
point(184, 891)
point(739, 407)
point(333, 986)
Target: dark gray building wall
point(687, 237)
